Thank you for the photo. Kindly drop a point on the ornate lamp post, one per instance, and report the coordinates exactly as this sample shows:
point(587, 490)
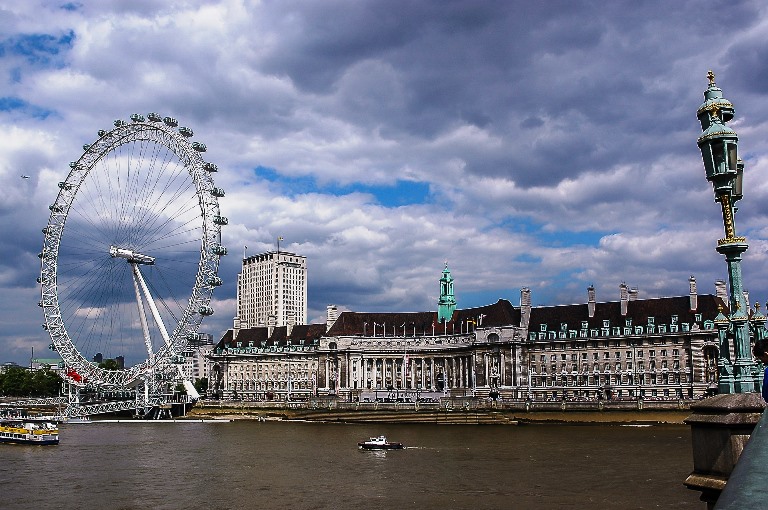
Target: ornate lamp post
point(719, 144)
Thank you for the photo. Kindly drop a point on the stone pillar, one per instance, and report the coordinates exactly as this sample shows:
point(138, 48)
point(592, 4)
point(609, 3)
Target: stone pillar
point(720, 427)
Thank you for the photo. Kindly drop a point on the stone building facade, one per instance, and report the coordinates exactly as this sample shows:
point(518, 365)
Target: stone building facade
point(663, 348)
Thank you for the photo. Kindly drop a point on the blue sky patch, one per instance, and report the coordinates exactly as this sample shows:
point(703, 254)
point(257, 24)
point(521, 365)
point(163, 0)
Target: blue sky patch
point(399, 194)
point(556, 238)
point(37, 48)
point(9, 103)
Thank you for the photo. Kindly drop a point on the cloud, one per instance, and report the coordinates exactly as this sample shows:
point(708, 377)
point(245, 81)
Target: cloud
point(549, 145)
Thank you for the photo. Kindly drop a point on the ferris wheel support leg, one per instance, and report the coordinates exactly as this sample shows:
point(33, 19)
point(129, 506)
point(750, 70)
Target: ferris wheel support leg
point(142, 315)
point(191, 391)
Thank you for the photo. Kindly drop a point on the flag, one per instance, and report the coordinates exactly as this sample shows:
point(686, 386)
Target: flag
point(74, 375)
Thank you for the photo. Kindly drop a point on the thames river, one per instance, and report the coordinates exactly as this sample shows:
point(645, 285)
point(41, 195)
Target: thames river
point(296, 465)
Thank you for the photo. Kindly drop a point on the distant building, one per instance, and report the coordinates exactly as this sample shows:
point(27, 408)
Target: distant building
point(272, 291)
point(627, 349)
point(195, 361)
point(54, 364)
point(663, 348)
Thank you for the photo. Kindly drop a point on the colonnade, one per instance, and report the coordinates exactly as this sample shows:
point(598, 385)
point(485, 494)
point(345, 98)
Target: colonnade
point(358, 371)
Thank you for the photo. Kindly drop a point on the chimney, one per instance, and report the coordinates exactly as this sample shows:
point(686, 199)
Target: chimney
point(633, 294)
point(624, 297)
point(331, 315)
point(271, 323)
point(291, 323)
point(591, 300)
point(721, 292)
point(694, 296)
point(525, 307)
point(235, 327)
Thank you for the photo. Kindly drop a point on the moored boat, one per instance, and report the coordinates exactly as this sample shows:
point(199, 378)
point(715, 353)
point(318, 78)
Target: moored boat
point(28, 431)
point(379, 443)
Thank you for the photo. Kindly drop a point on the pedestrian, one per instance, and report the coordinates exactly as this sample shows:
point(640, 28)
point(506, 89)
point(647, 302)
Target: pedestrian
point(760, 351)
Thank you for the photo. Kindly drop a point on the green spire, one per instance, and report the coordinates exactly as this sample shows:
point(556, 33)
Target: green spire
point(447, 302)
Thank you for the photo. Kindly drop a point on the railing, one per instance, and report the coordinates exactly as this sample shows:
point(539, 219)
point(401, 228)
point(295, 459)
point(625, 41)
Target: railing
point(747, 485)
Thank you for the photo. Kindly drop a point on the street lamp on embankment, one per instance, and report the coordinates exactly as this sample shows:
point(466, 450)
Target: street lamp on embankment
point(721, 424)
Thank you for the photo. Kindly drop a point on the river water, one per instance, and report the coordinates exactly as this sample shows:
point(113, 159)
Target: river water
point(297, 465)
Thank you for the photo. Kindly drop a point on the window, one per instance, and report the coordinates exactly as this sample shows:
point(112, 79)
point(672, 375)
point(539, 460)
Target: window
point(651, 320)
point(629, 354)
point(543, 327)
point(606, 323)
point(584, 324)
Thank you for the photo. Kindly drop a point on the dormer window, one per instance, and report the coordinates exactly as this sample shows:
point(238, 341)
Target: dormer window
point(606, 323)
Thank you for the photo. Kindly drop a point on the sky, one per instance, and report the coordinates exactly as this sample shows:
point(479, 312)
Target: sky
point(549, 145)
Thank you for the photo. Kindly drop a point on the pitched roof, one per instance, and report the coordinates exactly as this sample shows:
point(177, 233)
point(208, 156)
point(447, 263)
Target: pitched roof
point(302, 334)
point(501, 313)
point(661, 309)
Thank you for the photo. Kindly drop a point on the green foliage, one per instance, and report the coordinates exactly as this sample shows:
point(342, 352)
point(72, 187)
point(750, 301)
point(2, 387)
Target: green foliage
point(201, 384)
point(109, 364)
point(20, 382)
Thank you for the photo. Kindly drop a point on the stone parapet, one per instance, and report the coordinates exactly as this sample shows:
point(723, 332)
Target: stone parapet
point(720, 427)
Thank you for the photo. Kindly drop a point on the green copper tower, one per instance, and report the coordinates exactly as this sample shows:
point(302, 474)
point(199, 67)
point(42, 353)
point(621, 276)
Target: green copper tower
point(719, 150)
point(447, 302)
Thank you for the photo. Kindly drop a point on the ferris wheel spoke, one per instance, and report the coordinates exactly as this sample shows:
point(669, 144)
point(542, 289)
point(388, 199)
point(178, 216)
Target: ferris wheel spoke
point(157, 234)
point(183, 208)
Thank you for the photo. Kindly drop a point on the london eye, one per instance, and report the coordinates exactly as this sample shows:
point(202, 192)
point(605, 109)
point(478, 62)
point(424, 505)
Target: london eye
point(131, 254)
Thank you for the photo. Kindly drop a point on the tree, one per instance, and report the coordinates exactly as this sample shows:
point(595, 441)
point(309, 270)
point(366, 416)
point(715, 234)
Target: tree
point(109, 364)
point(201, 384)
point(22, 382)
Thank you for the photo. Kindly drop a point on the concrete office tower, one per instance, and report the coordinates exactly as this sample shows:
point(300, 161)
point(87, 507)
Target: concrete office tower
point(272, 290)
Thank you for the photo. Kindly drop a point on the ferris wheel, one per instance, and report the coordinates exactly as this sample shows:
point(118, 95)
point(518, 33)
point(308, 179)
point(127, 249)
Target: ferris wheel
point(131, 252)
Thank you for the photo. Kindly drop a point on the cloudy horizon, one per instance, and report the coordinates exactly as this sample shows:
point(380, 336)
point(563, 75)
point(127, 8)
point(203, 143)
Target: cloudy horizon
point(548, 145)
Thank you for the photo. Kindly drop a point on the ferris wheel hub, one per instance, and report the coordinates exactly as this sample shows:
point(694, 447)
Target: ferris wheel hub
point(131, 256)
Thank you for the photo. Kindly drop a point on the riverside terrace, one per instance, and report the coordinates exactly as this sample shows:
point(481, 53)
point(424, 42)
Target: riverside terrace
point(627, 350)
